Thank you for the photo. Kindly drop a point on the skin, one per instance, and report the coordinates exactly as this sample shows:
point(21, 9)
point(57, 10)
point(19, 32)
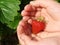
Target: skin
point(51, 34)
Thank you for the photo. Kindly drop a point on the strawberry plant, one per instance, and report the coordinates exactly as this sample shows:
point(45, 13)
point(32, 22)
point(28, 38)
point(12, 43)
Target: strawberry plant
point(9, 12)
point(9, 17)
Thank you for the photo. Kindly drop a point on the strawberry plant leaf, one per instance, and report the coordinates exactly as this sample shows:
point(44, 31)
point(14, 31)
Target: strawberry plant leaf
point(9, 12)
point(13, 24)
point(9, 9)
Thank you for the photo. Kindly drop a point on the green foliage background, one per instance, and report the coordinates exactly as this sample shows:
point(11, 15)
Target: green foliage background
point(10, 17)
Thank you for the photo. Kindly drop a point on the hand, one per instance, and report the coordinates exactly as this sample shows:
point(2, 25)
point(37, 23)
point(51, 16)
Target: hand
point(24, 39)
point(51, 12)
point(49, 9)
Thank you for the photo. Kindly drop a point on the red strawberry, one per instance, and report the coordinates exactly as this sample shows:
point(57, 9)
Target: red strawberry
point(38, 25)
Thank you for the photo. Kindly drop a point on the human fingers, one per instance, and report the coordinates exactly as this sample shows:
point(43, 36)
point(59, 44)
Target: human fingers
point(51, 7)
point(29, 10)
point(37, 4)
point(21, 35)
point(28, 19)
point(26, 13)
point(21, 41)
point(46, 34)
point(42, 3)
point(19, 31)
point(37, 14)
point(50, 41)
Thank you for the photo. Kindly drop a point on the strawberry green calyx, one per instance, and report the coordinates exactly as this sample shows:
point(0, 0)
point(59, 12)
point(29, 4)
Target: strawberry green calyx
point(41, 18)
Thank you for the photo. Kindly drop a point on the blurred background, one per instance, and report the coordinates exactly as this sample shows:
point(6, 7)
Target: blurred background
point(9, 18)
